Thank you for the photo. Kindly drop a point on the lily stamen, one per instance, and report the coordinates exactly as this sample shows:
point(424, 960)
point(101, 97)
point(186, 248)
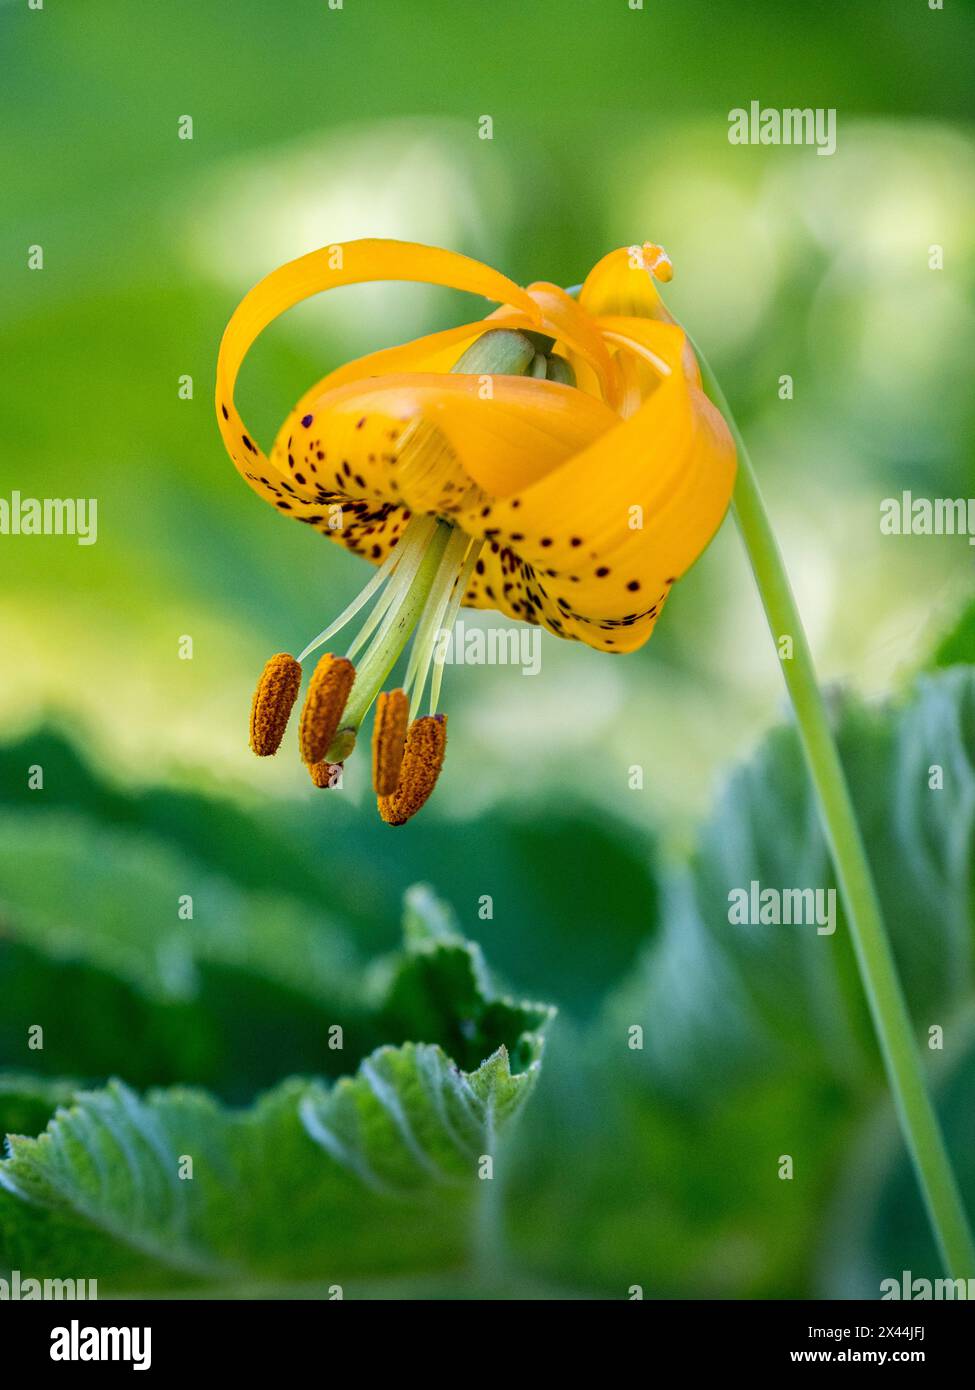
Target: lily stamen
point(452, 564)
point(274, 699)
point(328, 693)
point(389, 740)
point(403, 611)
point(416, 543)
point(426, 745)
point(362, 598)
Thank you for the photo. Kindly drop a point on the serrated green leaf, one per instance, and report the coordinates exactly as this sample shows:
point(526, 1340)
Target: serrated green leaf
point(438, 966)
point(371, 1175)
point(723, 1002)
point(756, 1041)
point(28, 1102)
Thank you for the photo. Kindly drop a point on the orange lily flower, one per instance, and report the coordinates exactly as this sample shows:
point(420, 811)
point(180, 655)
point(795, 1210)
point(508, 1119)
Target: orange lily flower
point(556, 460)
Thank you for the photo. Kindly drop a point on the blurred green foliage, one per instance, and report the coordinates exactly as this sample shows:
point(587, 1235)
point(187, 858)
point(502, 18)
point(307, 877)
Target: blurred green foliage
point(375, 1173)
point(655, 1165)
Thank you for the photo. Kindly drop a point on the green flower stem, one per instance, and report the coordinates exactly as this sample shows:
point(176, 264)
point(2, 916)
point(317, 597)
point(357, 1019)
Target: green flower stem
point(878, 971)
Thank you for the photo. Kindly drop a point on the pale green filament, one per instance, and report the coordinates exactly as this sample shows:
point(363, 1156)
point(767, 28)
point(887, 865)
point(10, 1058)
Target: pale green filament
point(400, 582)
point(450, 618)
point(416, 535)
point(448, 568)
point(423, 580)
point(431, 625)
point(402, 615)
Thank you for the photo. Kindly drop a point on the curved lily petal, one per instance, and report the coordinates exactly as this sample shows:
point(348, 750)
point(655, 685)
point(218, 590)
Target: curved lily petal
point(347, 263)
point(347, 463)
point(436, 352)
point(623, 283)
point(527, 429)
point(655, 342)
point(588, 503)
point(592, 549)
point(574, 328)
point(649, 340)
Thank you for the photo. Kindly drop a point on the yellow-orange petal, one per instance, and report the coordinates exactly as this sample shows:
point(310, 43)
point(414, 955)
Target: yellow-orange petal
point(657, 342)
point(274, 698)
point(592, 549)
point(321, 715)
point(426, 745)
point(571, 323)
point(389, 740)
point(623, 283)
point(439, 352)
point(650, 341)
point(511, 440)
point(434, 352)
point(350, 464)
point(346, 263)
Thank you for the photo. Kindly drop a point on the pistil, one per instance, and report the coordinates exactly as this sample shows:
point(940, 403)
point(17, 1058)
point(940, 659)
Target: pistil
point(411, 590)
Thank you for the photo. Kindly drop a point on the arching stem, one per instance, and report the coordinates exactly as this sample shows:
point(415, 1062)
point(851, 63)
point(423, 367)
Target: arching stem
point(878, 971)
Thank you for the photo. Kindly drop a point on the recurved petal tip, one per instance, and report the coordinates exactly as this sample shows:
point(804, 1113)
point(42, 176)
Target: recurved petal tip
point(426, 745)
point(321, 714)
point(273, 702)
point(656, 260)
point(389, 740)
